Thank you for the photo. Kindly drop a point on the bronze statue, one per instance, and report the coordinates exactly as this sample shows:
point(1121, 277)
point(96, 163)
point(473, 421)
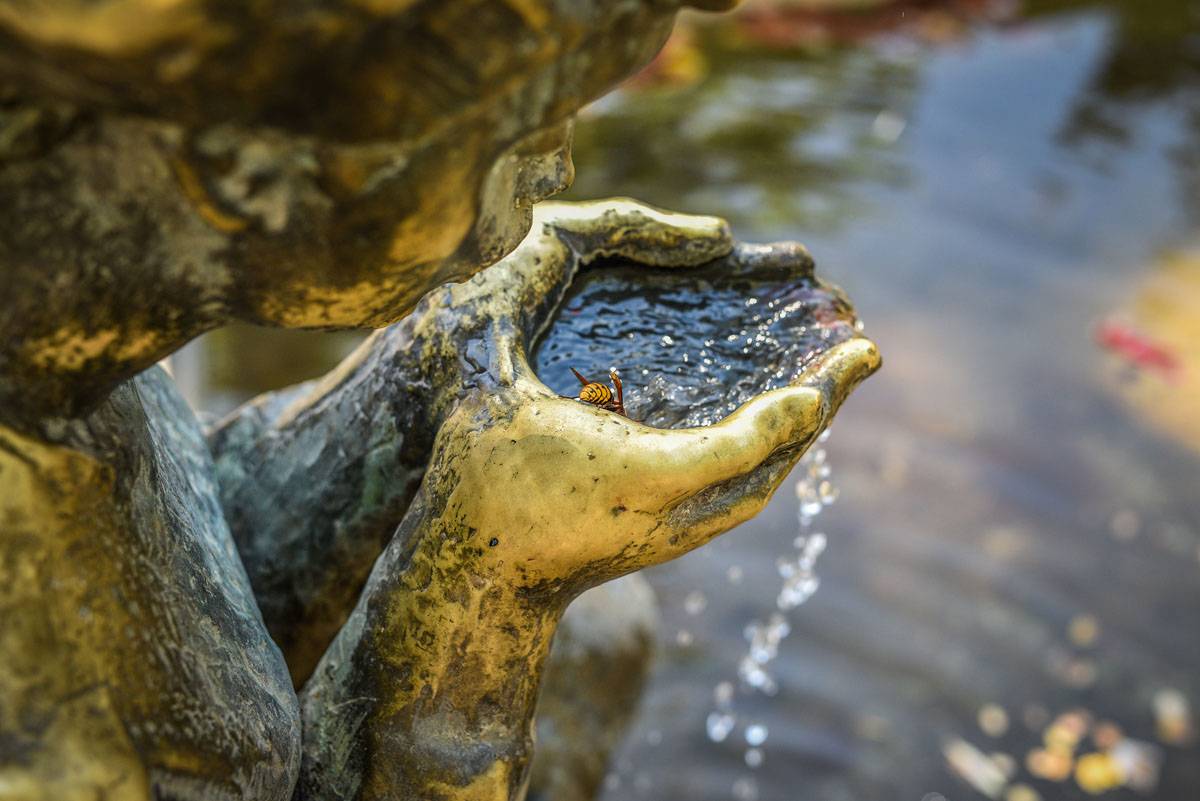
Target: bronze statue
point(168, 167)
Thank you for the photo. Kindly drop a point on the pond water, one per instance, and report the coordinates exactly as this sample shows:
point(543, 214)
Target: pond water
point(1018, 534)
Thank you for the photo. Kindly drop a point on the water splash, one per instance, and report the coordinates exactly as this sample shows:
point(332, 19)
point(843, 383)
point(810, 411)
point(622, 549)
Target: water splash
point(797, 570)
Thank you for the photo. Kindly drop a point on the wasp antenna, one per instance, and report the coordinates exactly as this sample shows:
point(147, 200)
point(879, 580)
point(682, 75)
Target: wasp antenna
point(583, 381)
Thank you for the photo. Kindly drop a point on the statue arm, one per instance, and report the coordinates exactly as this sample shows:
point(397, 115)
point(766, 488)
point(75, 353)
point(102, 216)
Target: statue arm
point(314, 479)
point(528, 500)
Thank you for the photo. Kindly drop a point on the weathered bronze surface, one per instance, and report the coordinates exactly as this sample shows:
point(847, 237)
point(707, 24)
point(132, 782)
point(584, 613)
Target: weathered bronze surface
point(428, 690)
point(311, 513)
point(133, 660)
point(411, 526)
point(168, 167)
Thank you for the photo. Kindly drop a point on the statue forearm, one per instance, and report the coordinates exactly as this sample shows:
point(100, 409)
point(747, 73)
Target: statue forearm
point(314, 480)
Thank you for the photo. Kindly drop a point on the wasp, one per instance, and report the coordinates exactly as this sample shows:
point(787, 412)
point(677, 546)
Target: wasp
point(600, 395)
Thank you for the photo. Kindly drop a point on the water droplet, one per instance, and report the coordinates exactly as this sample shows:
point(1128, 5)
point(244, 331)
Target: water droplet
point(695, 602)
point(778, 628)
point(752, 673)
point(684, 638)
point(745, 789)
point(810, 509)
point(814, 491)
point(719, 725)
point(756, 734)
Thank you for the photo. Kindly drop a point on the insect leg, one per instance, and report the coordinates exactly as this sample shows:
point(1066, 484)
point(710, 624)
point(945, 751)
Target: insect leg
point(616, 379)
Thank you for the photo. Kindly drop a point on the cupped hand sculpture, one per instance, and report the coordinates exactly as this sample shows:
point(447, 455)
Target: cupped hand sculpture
point(529, 498)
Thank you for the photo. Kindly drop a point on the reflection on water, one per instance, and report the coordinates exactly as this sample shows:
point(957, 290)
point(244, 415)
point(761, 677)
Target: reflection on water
point(1164, 319)
point(769, 140)
point(1013, 576)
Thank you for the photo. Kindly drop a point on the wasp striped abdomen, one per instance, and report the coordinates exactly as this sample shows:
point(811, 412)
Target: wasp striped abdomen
point(597, 394)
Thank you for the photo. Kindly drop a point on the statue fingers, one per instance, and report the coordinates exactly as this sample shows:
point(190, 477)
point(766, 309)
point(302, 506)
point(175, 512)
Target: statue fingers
point(670, 465)
point(837, 371)
point(628, 229)
point(703, 481)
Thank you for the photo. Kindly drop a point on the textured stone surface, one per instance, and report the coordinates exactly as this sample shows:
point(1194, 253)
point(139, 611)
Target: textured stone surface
point(135, 662)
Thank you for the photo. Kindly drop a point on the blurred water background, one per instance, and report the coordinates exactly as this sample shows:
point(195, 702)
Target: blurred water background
point(1009, 602)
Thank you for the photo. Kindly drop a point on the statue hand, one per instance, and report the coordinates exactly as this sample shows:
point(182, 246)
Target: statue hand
point(574, 495)
point(528, 498)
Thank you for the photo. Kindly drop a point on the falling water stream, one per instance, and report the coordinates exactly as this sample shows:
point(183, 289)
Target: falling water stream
point(797, 570)
point(692, 346)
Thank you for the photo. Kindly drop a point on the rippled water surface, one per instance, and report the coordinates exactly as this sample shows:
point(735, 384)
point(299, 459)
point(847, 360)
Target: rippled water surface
point(690, 346)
